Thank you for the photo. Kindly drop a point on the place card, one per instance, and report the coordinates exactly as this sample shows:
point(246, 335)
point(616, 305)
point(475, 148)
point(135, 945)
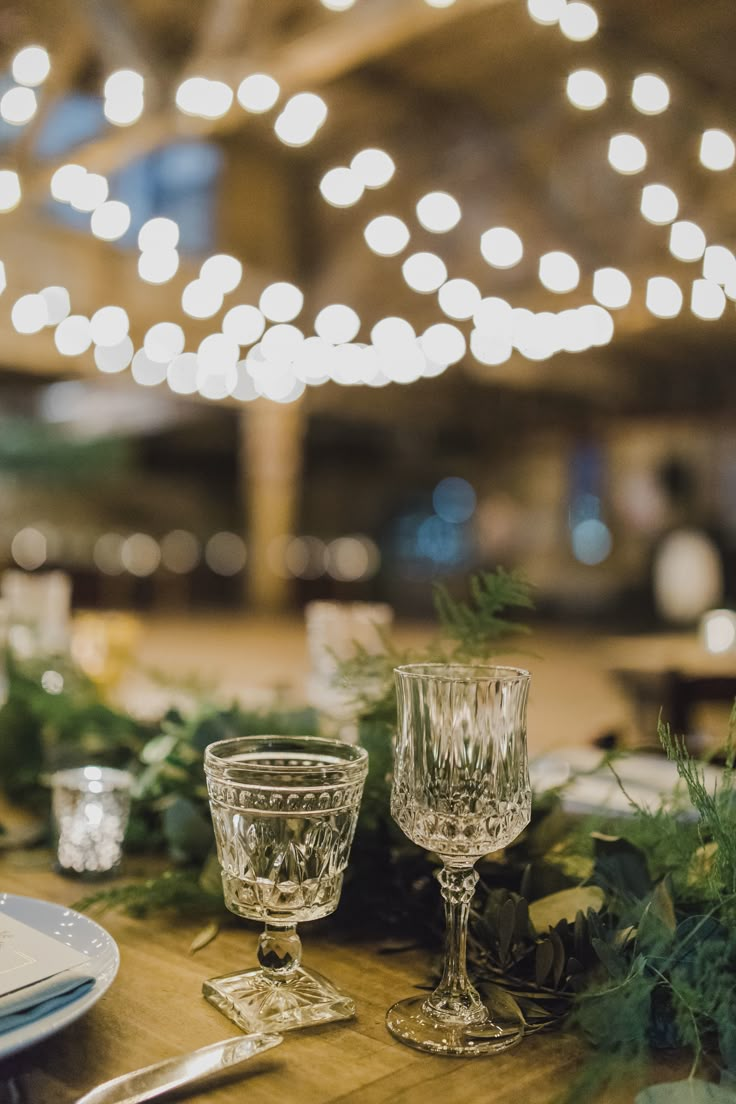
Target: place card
point(28, 956)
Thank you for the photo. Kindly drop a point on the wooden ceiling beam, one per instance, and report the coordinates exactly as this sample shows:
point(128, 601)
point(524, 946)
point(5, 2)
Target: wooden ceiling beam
point(314, 59)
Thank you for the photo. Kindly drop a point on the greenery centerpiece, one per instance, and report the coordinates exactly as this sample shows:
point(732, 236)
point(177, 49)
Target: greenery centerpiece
point(624, 928)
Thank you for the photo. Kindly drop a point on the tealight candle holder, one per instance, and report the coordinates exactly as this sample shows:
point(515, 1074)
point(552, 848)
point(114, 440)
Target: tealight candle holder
point(91, 806)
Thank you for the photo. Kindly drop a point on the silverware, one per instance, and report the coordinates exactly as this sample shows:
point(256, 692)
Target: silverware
point(176, 1073)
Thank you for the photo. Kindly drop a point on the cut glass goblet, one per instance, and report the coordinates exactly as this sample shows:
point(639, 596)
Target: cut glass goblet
point(460, 789)
point(284, 810)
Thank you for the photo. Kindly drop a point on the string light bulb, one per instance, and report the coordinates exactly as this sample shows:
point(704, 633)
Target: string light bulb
point(659, 204)
point(717, 150)
point(501, 247)
point(627, 154)
point(586, 89)
point(687, 241)
point(650, 94)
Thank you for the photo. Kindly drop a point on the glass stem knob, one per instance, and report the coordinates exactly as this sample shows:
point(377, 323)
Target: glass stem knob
point(455, 998)
point(279, 951)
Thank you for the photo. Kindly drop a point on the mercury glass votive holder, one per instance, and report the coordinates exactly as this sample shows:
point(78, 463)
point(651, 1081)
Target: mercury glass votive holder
point(91, 806)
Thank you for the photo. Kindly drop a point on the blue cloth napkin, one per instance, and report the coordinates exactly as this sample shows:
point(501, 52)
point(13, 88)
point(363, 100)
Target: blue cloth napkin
point(36, 1001)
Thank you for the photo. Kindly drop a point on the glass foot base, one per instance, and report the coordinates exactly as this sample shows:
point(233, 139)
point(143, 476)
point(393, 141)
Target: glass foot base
point(412, 1023)
point(255, 1002)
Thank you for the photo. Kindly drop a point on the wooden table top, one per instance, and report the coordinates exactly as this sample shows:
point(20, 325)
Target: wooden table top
point(154, 1010)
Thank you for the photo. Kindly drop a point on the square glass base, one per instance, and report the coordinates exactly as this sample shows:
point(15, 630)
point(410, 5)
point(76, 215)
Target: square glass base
point(256, 1002)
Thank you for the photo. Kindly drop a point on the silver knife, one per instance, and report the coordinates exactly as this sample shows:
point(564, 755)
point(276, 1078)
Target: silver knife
point(177, 1073)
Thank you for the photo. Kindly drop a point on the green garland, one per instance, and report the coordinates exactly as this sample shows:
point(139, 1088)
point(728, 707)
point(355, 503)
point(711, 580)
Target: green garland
point(625, 929)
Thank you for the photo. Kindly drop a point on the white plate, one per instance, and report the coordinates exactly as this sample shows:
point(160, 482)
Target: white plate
point(78, 932)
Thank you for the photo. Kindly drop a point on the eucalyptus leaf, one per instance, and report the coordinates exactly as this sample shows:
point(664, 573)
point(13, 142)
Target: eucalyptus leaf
point(565, 905)
point(691, 1091)
point(204, 937)
point(544, 960)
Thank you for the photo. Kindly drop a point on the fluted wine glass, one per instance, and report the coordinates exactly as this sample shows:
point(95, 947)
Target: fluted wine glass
point(460, 789)
point(284, 810)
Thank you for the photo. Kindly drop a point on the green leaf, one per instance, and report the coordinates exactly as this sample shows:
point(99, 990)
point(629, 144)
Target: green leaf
point(691, 1091)
point(565, 905)
point(543, 961)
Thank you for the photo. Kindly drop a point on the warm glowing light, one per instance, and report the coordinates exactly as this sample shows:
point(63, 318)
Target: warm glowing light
point(140, 554)
point(578, 21)
point(559, 271)
point(222, 271)
point(488, 349)
point(109, 326)
point(281, 302)
point(586, 89)
point(664, 297)
point(459, 298)
point(281, 342)
point(337, 324)
point(72, 336)
point(90, 192)
point(717, 150)
point(110, 220)
point(492, 318)
point(386, 235)
point(424, 272)
point(158, 233)
point(18, 105)
point(10, 190)
point(687, 241)
point(207, 99)
point(659, 204)
point(123, 97)
point(501, 247)
point(216, 353)
point(337, 5)
point(438, 212)
point(225, 553)
point(180, 551)
point(122, 84)
point(718, 631)
point(300, 119)
point(719, 264)
point(341, 187)
point(163, 342)
point(158, 266)
point(439, 3)
point(147, 372)
point(546, 12)
point(627, 154)
point(182, 374)
point(28, 548)
point(114, 358)
point(123, 112)
point(373, 167)
point(201, 300)
point(258, 93)
point(31, 66)
point(392, 333)
point(708, 300)
point(443, 343)
point(650, 94)
point(66, 181)
point(58, 304)
point(612, 288)
point(244, 324)
point(29, 314)
point(3, 278)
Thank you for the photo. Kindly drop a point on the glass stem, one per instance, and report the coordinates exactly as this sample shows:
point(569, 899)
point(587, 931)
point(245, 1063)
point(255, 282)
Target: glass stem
point(455, 998)
point(279, 951)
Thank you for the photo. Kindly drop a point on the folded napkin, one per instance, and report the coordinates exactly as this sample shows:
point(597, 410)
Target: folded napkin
point(38, 1000)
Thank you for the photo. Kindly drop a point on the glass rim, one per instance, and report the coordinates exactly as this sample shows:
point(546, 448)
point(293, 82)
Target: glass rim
point(353, 760)
point(92, 778)
point(452, 672)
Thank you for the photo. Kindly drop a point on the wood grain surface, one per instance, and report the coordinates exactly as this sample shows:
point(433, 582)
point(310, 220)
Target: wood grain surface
point(155, 1010)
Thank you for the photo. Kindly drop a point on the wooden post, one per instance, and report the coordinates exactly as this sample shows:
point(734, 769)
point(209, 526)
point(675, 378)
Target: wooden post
point(271, 466)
